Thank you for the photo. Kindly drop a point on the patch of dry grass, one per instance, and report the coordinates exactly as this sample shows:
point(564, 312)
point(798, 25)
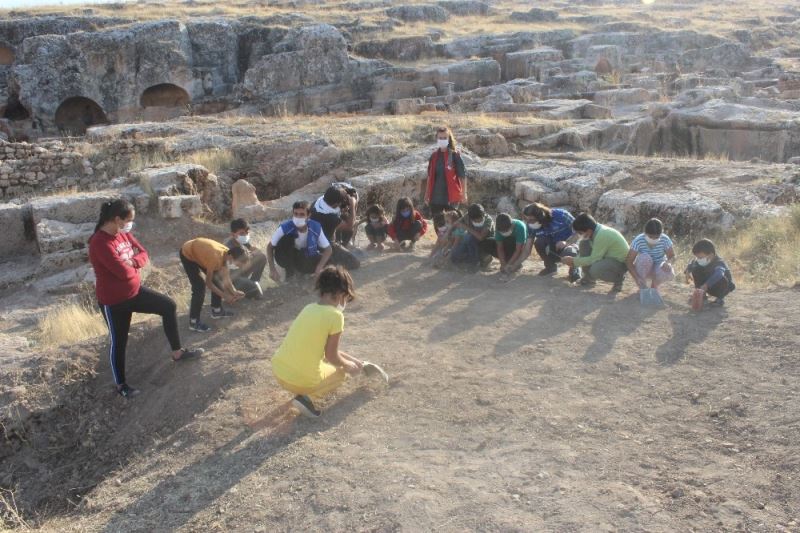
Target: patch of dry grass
point(764, 252)
point(69, 323)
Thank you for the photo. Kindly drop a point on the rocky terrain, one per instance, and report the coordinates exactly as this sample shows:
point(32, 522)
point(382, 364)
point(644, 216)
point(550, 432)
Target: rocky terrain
point(198, 112)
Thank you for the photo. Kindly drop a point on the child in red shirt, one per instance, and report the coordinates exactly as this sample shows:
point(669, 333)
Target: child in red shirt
point(408, 225)
point(116, 258)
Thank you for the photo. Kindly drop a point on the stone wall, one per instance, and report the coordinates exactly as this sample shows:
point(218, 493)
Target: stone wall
point(27, 169)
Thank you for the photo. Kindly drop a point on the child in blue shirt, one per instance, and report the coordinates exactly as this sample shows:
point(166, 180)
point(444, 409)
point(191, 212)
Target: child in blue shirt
point(709, 272)
point(651, 255)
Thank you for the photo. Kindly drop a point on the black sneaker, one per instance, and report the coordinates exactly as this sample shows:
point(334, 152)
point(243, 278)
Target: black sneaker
point(719, 302)
point(587, 282)
point(306, 406)
point(485, 261)
point(127, 392)
point(196, 325)
point(548, 271)
point(617, 287)
point(221, 313)
point(189, 354)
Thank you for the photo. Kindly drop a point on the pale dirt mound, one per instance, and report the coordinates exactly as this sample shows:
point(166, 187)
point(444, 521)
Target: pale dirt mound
point(527, 405)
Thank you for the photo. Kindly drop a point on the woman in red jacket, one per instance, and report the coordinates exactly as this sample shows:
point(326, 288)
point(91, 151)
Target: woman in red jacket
point(117, 257)
point(446, 186)
point(407, 226)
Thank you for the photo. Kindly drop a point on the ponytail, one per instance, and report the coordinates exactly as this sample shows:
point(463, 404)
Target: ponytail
point(112, 209)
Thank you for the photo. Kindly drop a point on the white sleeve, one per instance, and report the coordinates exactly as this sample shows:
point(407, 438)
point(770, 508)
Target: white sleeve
point(276, 237)
point(323, 240)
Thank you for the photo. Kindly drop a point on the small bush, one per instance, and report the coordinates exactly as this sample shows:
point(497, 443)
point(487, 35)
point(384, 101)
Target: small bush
point(70, 323)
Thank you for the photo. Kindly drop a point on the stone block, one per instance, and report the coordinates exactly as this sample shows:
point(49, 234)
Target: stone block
point(14, 240)
point(176, 206)
point(56, 236)
point(76, 208)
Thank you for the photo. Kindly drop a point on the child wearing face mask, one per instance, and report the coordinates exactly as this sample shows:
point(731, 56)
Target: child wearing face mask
point(407, 226)
point(117, 257)
point(376, 227)
point(709, 273)
point(248, 278)
point(651, 256)
point(449, 234)
point(309, 363)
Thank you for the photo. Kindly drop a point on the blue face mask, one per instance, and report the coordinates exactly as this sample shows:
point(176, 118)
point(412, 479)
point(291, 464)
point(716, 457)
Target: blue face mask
point(405, 213)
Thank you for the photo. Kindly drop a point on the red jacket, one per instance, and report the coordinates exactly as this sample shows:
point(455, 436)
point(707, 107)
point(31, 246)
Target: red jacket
point(405, 224)
point(116, 280)
point(455, 193)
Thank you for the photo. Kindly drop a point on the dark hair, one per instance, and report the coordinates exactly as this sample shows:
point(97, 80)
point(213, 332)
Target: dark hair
point(704, 246)
point(584, 222)
point(476, 211)
point(454, 213)
point(236, 252)
point(334, 196)
point(451, 140)
point(542, 213)
point(302, 204)
point(110, 210)
point(239, 223)
point(335, 280)
point(403, 203)
point(654, 227)
point(503, 222)
point(375, 209)
point(438, 220)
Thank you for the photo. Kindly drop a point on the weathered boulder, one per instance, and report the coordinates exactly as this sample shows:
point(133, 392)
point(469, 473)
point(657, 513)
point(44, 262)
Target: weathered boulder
point(466, 7)
point(528, 63)
point(617, 97)
point(14, 239)
point(419, 12)
point(486, 144)
point(176, 206)
point(683, 213)
point(497, 45)
point(403, 48)
point(75, 208)
point(731, 57)
point(243, 195)
point(535, 15)
point(55, 236)
point(307, 57)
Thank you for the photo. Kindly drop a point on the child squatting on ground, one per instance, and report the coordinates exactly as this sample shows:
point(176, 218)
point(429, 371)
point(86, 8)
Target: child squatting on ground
point(710, 275)
point(309, 362)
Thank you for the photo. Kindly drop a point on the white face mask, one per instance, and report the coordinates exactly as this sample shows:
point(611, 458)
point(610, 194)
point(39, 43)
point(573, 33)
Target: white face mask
point(374, 220)
point(243, 239)
point(651, 241)
point(442, 143)
point(703, 261)
point(127, 227)
point(477, 224)
point(535, 225)
point(299, 222)
point(506, 233)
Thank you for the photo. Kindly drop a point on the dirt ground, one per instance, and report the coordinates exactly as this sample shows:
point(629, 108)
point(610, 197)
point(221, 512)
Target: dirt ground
point(521, 406)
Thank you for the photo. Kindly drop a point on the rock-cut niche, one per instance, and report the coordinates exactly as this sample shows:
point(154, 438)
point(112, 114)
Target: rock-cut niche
point(76, 114)
point(164, 95)
point(6, 55)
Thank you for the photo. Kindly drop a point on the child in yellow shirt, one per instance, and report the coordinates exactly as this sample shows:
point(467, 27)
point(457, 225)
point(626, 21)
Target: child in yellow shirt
point(309, 362)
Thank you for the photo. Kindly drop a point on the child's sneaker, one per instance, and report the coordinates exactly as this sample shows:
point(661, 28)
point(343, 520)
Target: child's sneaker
point(216, 314)
point(574, 274)
point(306, 406)
point(719, 302)
point(188, 354)
point(196, 325)
point(127, 392)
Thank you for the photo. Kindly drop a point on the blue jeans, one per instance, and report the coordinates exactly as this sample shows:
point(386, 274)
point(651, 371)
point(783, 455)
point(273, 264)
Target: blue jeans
point(470, 250)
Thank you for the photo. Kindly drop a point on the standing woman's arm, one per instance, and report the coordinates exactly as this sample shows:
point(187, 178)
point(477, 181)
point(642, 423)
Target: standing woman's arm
point(141, 257)
point(107, 257)
point(461, 173)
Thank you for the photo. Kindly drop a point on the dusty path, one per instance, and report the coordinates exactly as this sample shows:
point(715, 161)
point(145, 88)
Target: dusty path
point(521, 406)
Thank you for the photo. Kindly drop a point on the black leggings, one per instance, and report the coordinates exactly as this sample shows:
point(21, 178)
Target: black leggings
point(118, 320)
point(198, 288)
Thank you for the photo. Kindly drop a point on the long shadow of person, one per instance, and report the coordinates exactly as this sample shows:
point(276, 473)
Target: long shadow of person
point(618, 319)
point(688, 329)
point(199, 484)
